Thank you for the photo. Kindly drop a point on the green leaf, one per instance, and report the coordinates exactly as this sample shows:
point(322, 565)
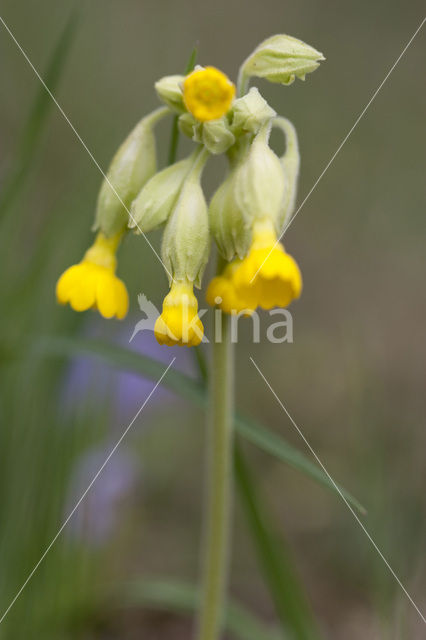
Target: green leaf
point(38, 116)
point(291, 604)
point(182, 597)
point(188, 388)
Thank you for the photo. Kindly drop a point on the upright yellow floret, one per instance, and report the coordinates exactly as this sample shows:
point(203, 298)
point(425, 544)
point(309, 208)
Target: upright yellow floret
point(268, 276)
point(208, 93)
point(92, 284)
point(179, 323)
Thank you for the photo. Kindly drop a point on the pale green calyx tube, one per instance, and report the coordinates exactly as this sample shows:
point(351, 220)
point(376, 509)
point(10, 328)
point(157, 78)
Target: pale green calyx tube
point(133, 164)
point(260, 183)
point(158, 196)
point(230, 228)
point(186, 238)
point(290, 163)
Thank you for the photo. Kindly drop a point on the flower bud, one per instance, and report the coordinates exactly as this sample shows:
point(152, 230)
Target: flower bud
point(250, 112)
point(216, 136)
point(260, 183)
point(157, 198)
point(281, 59)
point(229, 226)
point(169, 90)
point(186, 237)
point(133, 164)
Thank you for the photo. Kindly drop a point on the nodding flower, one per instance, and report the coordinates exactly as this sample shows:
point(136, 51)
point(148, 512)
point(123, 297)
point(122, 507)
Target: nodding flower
point(92, 283)
point(208, 93)
point(179, 324)
point(221, 291)
point(268, 276)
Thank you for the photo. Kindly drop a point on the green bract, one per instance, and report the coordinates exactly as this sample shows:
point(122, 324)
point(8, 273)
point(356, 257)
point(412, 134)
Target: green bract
point(281, 59)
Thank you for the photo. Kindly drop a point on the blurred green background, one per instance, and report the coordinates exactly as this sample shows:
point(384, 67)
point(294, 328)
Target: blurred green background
point(353, 379)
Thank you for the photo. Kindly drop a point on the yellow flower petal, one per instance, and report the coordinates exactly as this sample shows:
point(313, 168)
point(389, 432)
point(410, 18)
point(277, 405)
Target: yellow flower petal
point(222, 293)
point(208, 93)
point(66, 282)
point(179, 323)
point(93, 284)
point(82, 294)
point(106, 298)
point(268, 278)
point(122, 299)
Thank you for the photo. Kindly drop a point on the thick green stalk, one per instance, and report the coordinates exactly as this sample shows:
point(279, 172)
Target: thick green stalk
point(218, 487)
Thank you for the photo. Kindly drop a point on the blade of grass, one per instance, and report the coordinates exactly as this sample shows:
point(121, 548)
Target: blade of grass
point(184, 386)
point(174, 136)
point(38, 116)
point(291, 604)
point(182, 597)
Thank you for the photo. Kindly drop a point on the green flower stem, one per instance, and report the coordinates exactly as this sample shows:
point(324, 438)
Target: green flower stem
point(219, 487)
point(157, 115)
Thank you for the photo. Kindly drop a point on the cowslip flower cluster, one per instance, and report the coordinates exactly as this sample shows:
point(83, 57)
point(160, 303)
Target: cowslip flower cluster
point(246, 215)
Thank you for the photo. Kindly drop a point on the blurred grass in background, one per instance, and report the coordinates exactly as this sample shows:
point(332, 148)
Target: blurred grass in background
point(353, 379)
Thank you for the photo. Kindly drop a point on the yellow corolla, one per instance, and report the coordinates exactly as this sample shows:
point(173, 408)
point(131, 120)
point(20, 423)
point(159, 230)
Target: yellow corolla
point(179, 323)
point(267, 277)
point(221, 292)
point(92, 284)
point(208, 93)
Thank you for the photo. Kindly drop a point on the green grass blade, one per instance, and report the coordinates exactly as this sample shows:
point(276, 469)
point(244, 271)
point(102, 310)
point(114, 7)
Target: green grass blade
point(291, 604)
point(38, 116)
point(182, 597)
point(186, 387)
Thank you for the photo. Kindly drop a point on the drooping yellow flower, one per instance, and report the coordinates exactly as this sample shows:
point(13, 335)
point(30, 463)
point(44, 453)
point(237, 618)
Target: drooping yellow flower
point(268, 276)
point(221, 292)
point(179, 323)
point(92, 284)
point(208, 93)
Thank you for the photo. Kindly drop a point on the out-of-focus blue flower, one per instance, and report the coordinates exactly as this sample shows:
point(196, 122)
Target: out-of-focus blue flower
point(123, 391)
point(97, 517)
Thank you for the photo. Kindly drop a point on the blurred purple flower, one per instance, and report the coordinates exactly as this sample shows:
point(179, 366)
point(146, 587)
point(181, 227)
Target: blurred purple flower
point(96, 518)
point(127, 391)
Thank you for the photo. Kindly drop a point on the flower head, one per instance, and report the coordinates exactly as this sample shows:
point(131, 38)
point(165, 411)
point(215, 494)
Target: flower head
point(92, 284)
point(268, 276)
point(208, 93)
point(179, 324)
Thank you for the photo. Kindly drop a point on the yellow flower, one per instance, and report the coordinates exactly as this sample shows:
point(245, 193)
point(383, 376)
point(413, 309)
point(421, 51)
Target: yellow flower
point(208, 93)
point(92, 284)
point(179, 323)
point(221, 292)
point(267, 277)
